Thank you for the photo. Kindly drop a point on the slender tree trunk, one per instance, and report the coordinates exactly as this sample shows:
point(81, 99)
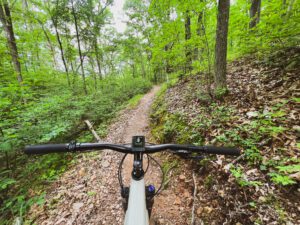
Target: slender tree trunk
point(5, 18)
point(254, 13)
point(91, 61)
point(35, 47)
point(188, 53)
point(142, 64)
point(133, 70)
point(49, 43)
point(290, 7)
point(98, 59)
point(200, 32)
point(79, 48)
point(61, 50)
point(221, 43)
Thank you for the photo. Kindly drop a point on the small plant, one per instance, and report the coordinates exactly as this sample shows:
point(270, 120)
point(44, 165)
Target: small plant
point(220, 93)
point(208, 181)
point(242, 179)
point(281, 179)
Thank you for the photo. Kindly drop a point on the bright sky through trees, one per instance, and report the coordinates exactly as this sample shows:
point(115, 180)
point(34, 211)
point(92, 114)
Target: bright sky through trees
point(119, 15)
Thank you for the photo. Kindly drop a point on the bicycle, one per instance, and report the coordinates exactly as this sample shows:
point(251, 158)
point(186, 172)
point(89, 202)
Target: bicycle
point(138, 199)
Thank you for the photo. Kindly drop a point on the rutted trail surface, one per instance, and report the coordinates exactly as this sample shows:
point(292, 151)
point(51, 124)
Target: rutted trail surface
point(89, 192)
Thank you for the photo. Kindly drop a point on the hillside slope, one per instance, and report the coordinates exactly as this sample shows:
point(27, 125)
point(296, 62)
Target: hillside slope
point(261, 116)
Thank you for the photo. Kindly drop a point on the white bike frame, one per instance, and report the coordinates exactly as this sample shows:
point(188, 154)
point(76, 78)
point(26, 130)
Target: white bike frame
point(137, 213)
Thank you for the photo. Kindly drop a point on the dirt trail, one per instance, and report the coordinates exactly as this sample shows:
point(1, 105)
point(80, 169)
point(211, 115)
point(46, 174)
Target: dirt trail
point(89, 192)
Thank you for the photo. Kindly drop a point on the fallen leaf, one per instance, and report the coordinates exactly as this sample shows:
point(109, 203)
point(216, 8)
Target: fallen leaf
point(208, 209)
point(82, 172)
point(295, 176)
point(177, 201)
point(186, 194)
point(199, 211)
point(252, 114)
point(182, 177)
point(77, 206)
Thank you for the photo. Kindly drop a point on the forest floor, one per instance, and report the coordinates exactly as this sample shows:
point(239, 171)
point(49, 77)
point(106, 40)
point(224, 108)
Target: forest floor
point(89, 192)
point(260, 115)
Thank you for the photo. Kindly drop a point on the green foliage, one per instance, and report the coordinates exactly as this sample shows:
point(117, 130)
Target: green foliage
point(134, 101)
point(178, 128)
point(241, 178)
point(289, 168)
point(281, 179)
point(220, 93)
point(56, 116)
point(5, 183)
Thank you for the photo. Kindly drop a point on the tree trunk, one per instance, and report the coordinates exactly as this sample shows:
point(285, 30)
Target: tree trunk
point(49, 43)
point(98, 59)
point(188, 53)
point(200, 31)
point(142, 64)
point(5, 18)
point(290, 7)
point(221, 43)
point(91, 61)
point(61, 50)
point(79, 48)
point(254, 13)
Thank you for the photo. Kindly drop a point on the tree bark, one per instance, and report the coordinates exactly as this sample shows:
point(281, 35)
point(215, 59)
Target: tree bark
point(79, 48)
point(5, 18)
point(221, 43)
point(188, 53)
point(254, 13)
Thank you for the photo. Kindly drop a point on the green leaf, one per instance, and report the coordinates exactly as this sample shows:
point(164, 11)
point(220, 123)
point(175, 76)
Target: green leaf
point(6, 183)
point(289, 169)
point(281, 179)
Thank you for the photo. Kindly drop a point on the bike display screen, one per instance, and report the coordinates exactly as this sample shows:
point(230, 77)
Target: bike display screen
point(138, 142)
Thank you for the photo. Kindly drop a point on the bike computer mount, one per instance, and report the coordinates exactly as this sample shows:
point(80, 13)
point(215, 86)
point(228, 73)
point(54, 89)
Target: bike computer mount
point(138, 147)
point(138, 143)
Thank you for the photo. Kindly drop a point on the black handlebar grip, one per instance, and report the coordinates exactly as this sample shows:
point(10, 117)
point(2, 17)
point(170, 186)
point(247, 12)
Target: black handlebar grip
point(221, 150)
point(43, 149)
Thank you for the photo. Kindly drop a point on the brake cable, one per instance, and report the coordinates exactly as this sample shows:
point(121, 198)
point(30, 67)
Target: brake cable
point(120, 178)
point(120, 171)
point(163, 176)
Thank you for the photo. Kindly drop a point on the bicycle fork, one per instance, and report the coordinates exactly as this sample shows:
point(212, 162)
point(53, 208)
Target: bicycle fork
point(149, 194)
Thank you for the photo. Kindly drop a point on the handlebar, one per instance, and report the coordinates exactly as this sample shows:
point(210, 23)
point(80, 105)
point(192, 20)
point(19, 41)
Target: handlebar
point(81, 147)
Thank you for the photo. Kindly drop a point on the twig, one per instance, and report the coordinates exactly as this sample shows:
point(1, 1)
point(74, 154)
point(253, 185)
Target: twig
point(226, 167)
point(90, 126)
point(194, 198)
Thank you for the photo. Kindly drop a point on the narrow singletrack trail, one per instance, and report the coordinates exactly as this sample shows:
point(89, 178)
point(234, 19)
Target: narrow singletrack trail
point(89, 192)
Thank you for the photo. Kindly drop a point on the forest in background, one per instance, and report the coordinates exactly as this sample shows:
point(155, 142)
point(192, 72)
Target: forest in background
point(63, 62)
